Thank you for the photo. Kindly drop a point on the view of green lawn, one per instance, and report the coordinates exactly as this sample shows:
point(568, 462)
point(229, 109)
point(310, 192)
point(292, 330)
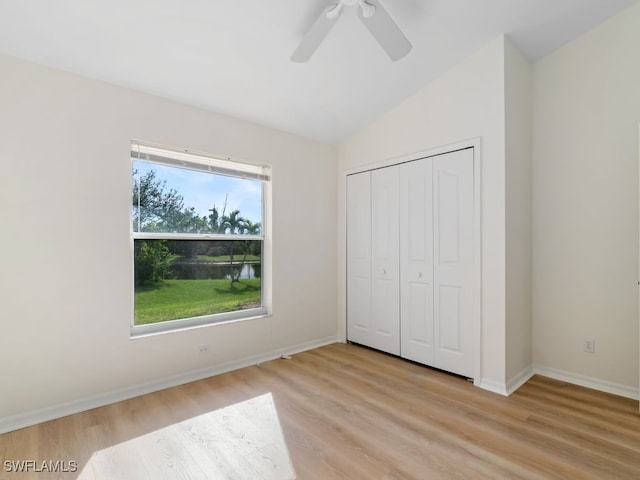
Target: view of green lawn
point(173, 299)
point(193, 276)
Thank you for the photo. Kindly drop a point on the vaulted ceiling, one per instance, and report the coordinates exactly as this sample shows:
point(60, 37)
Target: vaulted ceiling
point(233, 56)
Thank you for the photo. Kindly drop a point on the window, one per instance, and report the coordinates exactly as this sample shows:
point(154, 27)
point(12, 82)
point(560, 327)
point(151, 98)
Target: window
point(198, 239)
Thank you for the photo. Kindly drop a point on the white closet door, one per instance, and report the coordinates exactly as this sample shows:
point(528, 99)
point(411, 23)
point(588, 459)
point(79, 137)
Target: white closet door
point(385, 260)
point(416, 261)
point(359, 322)
point(453, 261)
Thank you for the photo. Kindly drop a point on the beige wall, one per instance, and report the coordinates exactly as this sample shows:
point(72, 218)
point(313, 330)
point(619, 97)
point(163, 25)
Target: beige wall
point(466, 102)
point(585, 191)
point(518, 216)
point(65, 269)
point(65, 273)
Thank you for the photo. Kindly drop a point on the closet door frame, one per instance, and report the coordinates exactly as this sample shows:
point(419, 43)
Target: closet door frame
point(476, 145)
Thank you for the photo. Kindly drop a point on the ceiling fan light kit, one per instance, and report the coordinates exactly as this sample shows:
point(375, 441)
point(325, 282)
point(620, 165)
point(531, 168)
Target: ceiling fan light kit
point(367, 9)
point(371, 14)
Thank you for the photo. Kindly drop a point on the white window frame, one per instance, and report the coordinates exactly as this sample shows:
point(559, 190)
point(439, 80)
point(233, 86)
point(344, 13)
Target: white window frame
point(169, 156)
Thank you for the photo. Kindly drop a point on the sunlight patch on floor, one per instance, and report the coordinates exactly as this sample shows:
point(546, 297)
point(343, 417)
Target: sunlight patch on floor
point(240, 441)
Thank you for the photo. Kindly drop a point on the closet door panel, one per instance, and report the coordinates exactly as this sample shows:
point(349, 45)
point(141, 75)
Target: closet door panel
point(450, 318)
point(453, 261)
point(416, 261)
point(359, 322)
point(410, 260)
point(385, 260)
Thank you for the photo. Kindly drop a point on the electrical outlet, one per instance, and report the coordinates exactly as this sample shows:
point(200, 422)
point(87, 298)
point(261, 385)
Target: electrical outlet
point(590, 345)
point(204, 348)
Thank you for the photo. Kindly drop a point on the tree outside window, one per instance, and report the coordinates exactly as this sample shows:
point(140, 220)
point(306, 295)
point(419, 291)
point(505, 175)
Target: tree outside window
point(198, 238)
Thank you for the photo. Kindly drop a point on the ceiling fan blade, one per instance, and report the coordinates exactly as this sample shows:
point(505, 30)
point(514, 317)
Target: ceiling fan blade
point(317, 33)
point(385, 31)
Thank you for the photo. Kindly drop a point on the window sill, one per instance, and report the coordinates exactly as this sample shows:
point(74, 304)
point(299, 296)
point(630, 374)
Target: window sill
point(171, 326)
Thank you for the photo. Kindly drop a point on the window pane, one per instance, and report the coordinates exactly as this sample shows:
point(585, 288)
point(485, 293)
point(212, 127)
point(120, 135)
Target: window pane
point(178, 200)
point(176, 279)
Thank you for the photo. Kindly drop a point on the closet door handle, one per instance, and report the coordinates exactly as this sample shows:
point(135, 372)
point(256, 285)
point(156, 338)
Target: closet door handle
point(384, 271)
point(419, 274)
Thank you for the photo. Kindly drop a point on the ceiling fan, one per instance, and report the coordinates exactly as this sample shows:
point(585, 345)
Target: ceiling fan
point(374, 17)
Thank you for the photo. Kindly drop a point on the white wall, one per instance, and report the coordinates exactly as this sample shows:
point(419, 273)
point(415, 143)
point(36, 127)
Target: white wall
point(585, 221)
point(65, 267)
point(465, 102)
point(519, 358)
point(65, 273)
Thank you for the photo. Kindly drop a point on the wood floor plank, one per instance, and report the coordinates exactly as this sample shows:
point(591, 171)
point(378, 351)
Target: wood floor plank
point(342, 412)
point(440, 416)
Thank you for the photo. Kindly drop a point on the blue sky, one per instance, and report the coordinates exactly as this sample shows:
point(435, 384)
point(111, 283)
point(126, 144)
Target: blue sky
point(203, 190)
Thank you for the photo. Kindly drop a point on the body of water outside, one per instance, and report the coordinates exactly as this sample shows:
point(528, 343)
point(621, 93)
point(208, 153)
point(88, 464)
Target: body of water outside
point(186, 270)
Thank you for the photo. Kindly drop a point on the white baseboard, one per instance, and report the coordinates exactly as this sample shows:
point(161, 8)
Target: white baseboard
point(492, 386)
point(508, 387)
point(520, 379)
point(589, 382)
point(27, 419)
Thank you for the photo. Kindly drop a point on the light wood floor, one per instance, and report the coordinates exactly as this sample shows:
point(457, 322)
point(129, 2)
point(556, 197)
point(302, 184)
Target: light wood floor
point(342, 412)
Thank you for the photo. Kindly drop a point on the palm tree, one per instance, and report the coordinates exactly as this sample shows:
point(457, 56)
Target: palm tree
point(233, 224)
point(249, 228)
